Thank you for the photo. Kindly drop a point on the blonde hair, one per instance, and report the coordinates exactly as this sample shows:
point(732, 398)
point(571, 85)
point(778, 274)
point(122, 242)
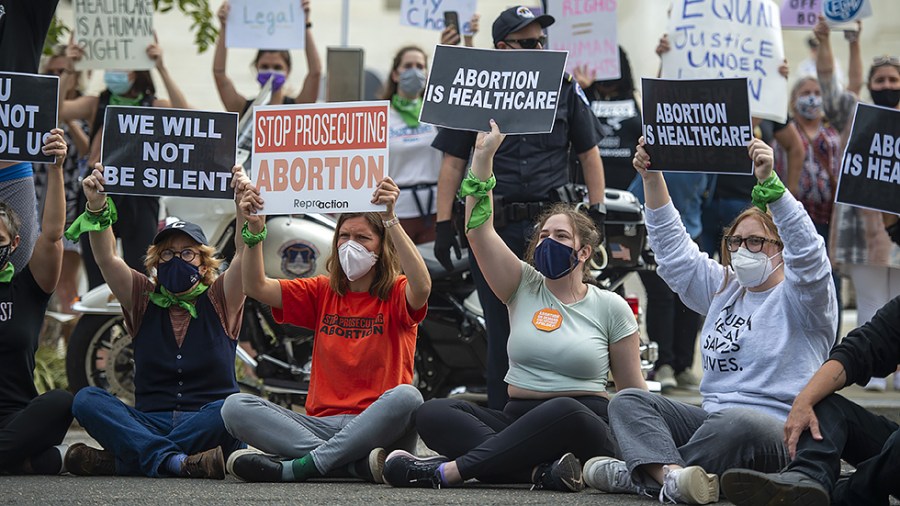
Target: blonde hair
point(582, 226)
point(387, 267)
point(207, 259)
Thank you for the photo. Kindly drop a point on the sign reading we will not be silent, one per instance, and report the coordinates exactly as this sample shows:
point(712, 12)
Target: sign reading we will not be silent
point(168, 152)
point(870, 169)
point(518, 89)
point(429, 14)
point(320, 158)
point(266, 24)
point(114, 33)
point(697, 125)
point(587, 30)
point(27, 113)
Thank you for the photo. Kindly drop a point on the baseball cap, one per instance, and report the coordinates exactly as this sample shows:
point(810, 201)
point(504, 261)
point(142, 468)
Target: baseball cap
point(190, 229)
point(514, 19)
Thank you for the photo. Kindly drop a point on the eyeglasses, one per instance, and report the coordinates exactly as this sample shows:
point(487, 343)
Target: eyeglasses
point(878, 61)
point(186, 254)
point(754, 244)
point(528, 43)
point(55, 72)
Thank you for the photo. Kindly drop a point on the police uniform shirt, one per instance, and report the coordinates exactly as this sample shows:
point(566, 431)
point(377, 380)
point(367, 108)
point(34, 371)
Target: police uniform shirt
point(23, 28)
point(528, 167)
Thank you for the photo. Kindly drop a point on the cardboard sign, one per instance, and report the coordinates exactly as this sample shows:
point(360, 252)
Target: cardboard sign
point(843, 11)
point(27, 113)
point(587, 30)
point(468, 87)
point(870, 169)
point(429, 14)
point(800, 14)
point(266, 24)
point(714, 39)
point(114, 35)
point(320, 158)
point(168, 152)
point(697, 125)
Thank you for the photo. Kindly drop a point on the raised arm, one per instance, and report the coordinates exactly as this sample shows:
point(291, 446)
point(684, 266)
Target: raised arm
point(253, 273)
point(474, 26)
point(310, 91)
point(855, 69)
point(82, 107)
point(233, 282)
point(46, 258)
point(231, 99)
point(176, 97)
point(789, 139)
point(656, 193)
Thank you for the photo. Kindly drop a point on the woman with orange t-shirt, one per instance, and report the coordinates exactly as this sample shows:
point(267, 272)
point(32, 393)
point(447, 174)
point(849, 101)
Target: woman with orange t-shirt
point(365, 315)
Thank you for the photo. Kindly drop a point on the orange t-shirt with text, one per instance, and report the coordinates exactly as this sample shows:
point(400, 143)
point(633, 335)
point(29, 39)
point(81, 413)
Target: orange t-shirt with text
point(363, 345)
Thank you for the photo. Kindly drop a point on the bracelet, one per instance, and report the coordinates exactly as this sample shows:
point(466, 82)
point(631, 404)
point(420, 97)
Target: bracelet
point(309, 24)
point(391, 222)
point(87, 208)
point(94, 221)
point(251, 239)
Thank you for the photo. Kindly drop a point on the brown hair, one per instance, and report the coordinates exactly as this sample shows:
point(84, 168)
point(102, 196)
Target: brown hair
point(753, 212)
point(387, 268)
point(207, 259)
point(390, 86)
point(286, 55)
point(583, 228)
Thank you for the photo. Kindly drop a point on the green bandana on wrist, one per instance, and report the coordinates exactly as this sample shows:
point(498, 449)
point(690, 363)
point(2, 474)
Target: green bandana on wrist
point(251, 239)
point(408, 109)
point(6, 274)
point(90, 222)
point(472, 186)
point(766, 192)
point(166, 299)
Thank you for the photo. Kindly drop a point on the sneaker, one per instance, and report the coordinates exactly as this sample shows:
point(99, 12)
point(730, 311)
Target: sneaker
point(253, 466)
point(665, 375)
point(370, 468)
point(689, 485)
point(563, 475)
point(403, 469)
point(209, 464)
point(82, 460)
point(687, 380)
point(877, 384)
point(744, 487)
point(610, 475)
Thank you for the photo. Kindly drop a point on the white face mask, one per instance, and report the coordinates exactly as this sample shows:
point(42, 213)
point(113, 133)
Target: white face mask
point(752, 269)
point(355, 259)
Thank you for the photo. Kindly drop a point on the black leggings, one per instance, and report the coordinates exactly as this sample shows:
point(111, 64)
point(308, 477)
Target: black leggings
point(505, 446)
point(37, 428)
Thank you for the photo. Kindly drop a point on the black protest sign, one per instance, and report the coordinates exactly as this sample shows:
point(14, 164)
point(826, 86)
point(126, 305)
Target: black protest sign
point(700, 125)
point(27, 113)
point(168, 152)
point(870, 170)
point(519, 89)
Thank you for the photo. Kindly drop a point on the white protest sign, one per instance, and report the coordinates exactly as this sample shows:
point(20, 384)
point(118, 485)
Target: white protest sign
point(587, 30)
point(266, 24)
point(320, 158)
point(843, 11)
point(429, 14)
point(712, 39)
point(114, 34)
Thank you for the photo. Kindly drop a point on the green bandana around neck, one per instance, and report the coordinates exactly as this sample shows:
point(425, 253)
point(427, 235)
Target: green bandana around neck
point(409, 109)
point(166, 299)
point(120, 100)
point(6, 274)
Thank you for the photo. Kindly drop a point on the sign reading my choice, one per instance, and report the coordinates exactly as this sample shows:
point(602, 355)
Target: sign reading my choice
point(27, 113)
point(168, 152)
point(870, 169)
point(320, 158)
point(698, 125)
point(429, 14)
point(114, 34)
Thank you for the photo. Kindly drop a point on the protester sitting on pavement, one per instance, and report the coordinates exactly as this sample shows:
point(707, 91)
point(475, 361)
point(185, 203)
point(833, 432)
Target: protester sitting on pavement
point(566, 336)
point(365, 316)
point(185, 322)
point(770, 320)
point(274, 64)
point(32, 426)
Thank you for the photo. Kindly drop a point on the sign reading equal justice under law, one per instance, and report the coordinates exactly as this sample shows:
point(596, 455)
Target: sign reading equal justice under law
point(870, 170)
point(27, 113)
point(320, 158)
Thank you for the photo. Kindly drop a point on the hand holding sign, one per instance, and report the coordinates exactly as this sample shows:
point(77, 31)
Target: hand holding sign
point(487, 143)
point(93, 188)
point(763, 159)
point(251, 204)
point(55, 146)
point(386, 194)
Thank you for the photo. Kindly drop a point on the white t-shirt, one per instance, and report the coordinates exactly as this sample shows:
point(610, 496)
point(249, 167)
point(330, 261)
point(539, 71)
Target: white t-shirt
point(413, 161)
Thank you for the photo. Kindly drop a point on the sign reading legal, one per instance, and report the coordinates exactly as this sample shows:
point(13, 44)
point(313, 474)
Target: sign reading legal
point(429, 14)
point(168, 152)
point(587, 30)
point(114, 34)
point(266, 24)
point(870, 169)
point(27, 113)
point(469, 87)
point(320, 158)
point(697, 125)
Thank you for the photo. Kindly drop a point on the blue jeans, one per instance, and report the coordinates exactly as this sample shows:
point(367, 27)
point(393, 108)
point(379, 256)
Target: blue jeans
point(142, 441)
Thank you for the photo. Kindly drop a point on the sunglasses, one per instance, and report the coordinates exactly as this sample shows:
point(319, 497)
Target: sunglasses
point(754, 244)
point(528, 43)
point(878, 61)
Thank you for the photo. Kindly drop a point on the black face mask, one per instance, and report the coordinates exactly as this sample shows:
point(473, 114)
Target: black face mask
point(4, 254)
point(885, 98)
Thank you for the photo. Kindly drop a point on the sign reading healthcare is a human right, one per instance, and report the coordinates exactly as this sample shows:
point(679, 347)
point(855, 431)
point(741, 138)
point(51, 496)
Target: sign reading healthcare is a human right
point(870, 169)
point(114, 34)
point(27, 113)
point(697, 125)
point(320, 158)
point(469, 87)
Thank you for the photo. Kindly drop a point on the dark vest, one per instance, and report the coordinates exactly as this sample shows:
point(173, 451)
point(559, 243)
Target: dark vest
point(169, 378)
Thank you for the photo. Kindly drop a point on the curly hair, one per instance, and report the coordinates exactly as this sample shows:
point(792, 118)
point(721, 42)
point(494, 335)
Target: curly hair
point(207, 259)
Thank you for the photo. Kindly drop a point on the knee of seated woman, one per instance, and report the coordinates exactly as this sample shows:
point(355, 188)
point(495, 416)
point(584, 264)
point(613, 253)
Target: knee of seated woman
point(629, 396)
point(234, 409)
point(404, 398)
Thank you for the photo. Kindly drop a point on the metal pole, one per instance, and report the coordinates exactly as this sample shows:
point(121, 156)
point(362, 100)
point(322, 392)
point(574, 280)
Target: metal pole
point(345, 23)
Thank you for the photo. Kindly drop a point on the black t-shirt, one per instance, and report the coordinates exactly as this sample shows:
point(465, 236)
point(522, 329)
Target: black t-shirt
point(528, 167)
point(620, 129)
point(23, 28)
point(22, 307)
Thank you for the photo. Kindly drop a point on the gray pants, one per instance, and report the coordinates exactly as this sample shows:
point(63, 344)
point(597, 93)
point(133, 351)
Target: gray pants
point(333, 441)
point(19, 195)
point(652, 429)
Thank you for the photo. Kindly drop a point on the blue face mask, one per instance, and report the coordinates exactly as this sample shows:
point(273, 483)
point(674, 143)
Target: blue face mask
point(117, 81)
point(554, 259)
point(176, 275)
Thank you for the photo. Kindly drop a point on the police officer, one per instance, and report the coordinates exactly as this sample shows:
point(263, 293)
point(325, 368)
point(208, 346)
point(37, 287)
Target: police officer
point(529, 170)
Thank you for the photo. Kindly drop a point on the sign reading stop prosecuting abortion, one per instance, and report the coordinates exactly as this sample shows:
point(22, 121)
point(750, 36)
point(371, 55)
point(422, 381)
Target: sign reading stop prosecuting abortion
point(320, 158)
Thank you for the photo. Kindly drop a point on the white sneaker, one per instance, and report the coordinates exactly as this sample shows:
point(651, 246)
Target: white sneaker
point(877, 384)
point(610, 475)
point(690, 485)
point(665, 375)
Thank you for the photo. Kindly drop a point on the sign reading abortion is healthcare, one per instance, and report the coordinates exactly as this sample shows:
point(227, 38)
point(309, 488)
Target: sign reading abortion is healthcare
point(697, 126)
point(870, 170)
point(27, 113)
point(168, 152)
point(469, 87)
